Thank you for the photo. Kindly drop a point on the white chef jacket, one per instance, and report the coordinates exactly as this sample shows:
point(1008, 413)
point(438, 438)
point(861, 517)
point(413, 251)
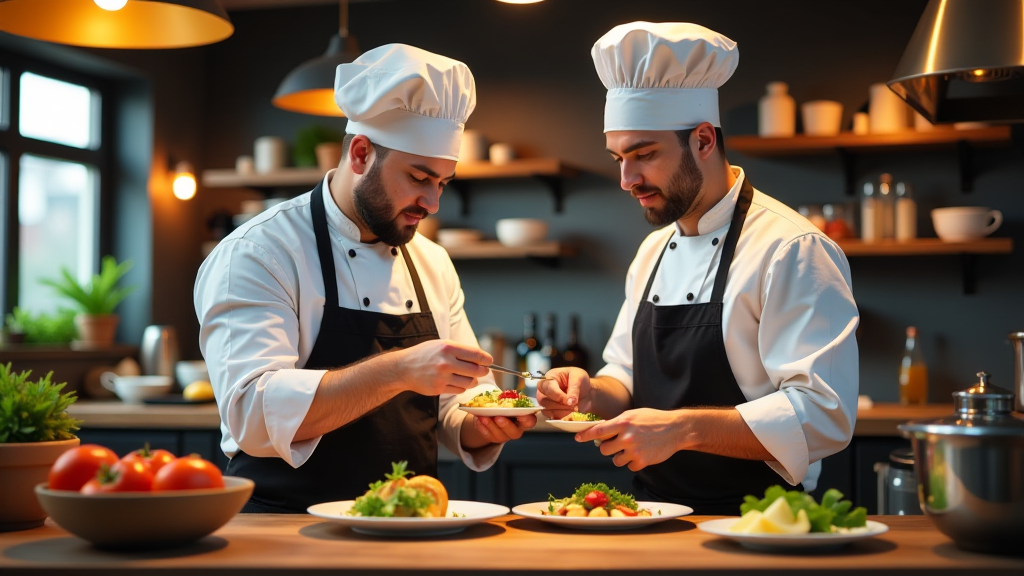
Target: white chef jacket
point(259, 297)
point(789, 322)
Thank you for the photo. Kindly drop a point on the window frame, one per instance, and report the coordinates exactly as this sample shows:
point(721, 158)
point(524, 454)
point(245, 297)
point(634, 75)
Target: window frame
point(13, 145)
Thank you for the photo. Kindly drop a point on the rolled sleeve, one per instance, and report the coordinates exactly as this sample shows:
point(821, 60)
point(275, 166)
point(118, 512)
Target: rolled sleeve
point(774, 422)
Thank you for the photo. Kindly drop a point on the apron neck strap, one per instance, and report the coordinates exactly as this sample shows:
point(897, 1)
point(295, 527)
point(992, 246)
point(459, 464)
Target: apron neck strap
point(739, 216)
point(424, 307)
point(323, 245)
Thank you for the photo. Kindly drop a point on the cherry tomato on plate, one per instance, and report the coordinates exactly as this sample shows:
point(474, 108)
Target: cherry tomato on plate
point(132, 475)
point(79, 465)
point(188, 473)
point(155, 459)
point(596, 499)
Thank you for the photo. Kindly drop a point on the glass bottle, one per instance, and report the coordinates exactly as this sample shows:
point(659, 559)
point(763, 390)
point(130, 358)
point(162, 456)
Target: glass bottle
point(886, 207)
point(528, 344)
point(913, 372)
point(869, 221)
point(906, 212)
point(545, 358)
point(575, 354)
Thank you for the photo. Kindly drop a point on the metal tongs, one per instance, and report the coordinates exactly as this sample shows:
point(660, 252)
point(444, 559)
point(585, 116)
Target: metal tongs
point(523, 375)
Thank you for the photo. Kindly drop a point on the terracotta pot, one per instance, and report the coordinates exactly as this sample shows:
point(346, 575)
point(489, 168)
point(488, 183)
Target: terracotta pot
point(328, 155)
point(22, 466)
point(95, 330)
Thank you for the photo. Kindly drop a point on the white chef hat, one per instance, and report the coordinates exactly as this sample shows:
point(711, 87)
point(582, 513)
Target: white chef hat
point(662, 76)
point(408, 99)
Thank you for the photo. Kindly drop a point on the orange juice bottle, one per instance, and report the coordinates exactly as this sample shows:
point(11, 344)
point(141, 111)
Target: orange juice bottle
point(913, 372)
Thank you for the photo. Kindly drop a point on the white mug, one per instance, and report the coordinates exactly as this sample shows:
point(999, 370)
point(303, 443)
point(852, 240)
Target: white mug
point(822, 117)
point(269, 154)
point(473, 147)
point(502, 153)
point(965, 223)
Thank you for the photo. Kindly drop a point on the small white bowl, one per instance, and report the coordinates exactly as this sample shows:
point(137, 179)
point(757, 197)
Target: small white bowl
point(450, 237)
point(135, 389)
point(189, 371)
point(521, 231)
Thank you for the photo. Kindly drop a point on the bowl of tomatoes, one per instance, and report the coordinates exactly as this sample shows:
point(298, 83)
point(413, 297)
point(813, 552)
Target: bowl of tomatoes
point(146, 499)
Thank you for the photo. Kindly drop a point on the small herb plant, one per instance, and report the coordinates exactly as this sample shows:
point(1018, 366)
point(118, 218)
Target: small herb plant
point(101, 295)
point(34, 411)
point(42, 328)
point(306, 141)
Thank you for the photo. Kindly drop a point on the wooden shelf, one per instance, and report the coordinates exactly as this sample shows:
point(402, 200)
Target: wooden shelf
point(926, 247)
point(901, 141)
point(284, 178)
point(846, 145)
point(491, 250)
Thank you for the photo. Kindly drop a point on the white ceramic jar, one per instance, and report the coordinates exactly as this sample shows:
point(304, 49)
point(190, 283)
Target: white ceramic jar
point(887, 112)
point(776, 112)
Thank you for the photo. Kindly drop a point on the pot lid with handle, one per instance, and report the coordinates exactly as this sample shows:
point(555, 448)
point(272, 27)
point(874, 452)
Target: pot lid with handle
point(982, 410)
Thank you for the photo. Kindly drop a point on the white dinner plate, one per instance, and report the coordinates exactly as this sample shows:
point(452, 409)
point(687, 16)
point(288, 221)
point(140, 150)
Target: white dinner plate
point(660, 511)
point(475, 513)
point(573, 426)
point(507, 412)
point(775, 542)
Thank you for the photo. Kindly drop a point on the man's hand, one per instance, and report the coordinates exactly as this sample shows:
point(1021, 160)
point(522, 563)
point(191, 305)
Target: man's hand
point(439, 367)
point(496, 430)
point(567, 389)
point(637, 438)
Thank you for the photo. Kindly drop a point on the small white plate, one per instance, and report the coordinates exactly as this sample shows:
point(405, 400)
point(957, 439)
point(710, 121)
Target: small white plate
point(475, 513)
point(507, 412)
point(573, 426)
point(776, 542)
point(660, 511)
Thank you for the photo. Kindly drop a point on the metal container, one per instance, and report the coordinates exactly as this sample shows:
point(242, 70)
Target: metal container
point(897, 484)
point(970, 469)
point(159, 350)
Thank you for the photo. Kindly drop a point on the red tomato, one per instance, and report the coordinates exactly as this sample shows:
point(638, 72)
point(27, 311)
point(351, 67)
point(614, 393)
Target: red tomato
point(155, 459)
point(188, 473)
point(596, 499)
point(79, 465)
point(130, 475)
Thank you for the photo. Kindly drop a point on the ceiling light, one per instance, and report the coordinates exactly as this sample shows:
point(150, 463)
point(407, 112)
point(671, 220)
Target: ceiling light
point(184, 184)
point(309, 88)
point(520, 1)
point(100, 24)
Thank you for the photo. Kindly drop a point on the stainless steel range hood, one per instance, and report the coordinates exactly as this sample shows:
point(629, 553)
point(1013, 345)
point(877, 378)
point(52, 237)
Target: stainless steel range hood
point(965, 62)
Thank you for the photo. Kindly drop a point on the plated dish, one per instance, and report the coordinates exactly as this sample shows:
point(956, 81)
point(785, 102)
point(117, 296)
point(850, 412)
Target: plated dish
point(576, 421)
point(600, 507)
point(660, 511)
point(780, 542)
point(461, 514)
point(508, 403)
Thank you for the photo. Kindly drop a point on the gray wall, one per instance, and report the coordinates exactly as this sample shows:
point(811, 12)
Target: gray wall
point(537, 89)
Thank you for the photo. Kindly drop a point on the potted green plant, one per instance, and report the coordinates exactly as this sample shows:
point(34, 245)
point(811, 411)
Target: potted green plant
point(35, 429)
point(95, 320)
point(317, 146)
point(41, 328)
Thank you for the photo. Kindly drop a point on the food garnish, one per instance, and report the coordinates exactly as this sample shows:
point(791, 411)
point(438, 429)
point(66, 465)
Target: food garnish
point(500, 399)
point(595, 501)
point(792, 512)
point(577, 416)
point(419, 496)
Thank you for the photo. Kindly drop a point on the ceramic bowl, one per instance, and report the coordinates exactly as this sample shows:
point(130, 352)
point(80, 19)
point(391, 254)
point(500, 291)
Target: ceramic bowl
point(189, 371)
point(521, 231)
point(450, 237)
point(141, 520)
point(135, 389)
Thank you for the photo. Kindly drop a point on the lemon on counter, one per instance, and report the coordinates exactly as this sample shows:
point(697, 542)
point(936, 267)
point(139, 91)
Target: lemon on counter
point(778, 518)
point(198, 390)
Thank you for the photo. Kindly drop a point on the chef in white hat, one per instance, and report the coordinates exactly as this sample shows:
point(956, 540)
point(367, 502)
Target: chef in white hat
point(335, 335)
point(733, 363)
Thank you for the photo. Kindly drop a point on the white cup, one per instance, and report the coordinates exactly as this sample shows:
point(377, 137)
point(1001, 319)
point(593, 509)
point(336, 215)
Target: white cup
point(189, 371)
point(473, 147)
point(244, 165)
point(135, 389)
point(502, 153)
point(965, 223)
point(269, 154)
point(887, 112)
point(822, 117)
point(861, 123)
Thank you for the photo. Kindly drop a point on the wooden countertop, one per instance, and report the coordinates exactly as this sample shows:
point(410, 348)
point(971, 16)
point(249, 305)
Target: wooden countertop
point(258, 544)
point(880, 420)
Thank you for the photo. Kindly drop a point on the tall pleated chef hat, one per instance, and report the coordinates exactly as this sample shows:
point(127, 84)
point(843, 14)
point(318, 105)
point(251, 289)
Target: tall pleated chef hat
point(407, 99)
point(662, 76)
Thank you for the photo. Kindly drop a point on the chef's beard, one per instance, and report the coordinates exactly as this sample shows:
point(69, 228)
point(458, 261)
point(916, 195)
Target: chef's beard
point(682, 190)
point(378, 212)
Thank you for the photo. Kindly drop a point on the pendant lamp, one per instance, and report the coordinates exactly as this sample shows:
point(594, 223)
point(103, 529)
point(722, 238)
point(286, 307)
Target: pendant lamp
point(117, 24)
point(309, 88)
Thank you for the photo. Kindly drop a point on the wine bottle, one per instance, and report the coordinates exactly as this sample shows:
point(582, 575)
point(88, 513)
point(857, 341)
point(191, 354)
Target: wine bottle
point(575, 354)
point(528, 344)
point(545, 358)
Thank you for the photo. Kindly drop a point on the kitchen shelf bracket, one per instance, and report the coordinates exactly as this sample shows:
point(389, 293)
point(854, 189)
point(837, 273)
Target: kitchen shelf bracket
point(969, 272)
point(849, 163)
point(965, 154)
point(555, 184)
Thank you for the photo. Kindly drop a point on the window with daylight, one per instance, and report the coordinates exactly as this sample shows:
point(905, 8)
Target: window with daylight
point(53, 161)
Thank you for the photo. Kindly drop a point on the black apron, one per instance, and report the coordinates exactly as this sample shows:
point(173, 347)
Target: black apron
point(679, 361)
point(348, 459)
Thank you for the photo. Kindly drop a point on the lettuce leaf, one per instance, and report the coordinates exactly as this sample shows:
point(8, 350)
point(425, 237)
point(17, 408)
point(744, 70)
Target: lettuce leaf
point(833, 510)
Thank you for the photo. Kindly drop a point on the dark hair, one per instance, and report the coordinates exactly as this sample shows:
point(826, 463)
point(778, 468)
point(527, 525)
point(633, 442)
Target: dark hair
point(684, 139)
point(346, 142)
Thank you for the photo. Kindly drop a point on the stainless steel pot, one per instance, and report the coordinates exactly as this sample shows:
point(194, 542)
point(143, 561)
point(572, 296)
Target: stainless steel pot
point(970, 469)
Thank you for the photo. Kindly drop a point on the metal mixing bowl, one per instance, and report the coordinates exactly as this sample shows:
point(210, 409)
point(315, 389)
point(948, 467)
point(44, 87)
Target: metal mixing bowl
point(970, 470)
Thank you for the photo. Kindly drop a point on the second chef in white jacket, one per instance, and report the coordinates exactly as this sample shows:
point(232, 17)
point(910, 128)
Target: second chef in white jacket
point(733, 363)
point(335, 335)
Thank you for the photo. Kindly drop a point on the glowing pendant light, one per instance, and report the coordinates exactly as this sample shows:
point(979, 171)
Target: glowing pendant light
point(309, 88)
point(118, 23)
